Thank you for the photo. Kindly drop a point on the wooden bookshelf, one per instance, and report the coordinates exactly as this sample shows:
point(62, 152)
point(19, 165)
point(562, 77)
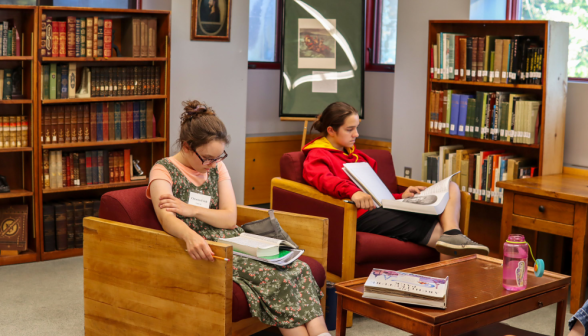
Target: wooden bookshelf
point(148, 151)
point(18, 162)
point(485, 216)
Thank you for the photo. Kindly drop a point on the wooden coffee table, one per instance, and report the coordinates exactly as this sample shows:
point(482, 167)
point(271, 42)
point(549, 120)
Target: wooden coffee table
point(475, 299)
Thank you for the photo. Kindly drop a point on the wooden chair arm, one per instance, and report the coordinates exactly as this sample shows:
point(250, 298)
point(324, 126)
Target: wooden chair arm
point(142, 281)
point(305, 190)
point(309, 232)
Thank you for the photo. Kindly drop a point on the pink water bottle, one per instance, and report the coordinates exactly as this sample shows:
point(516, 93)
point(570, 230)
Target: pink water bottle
point(515, 261)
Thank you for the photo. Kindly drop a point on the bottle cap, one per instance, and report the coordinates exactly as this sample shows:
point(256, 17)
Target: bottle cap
point(539, 268)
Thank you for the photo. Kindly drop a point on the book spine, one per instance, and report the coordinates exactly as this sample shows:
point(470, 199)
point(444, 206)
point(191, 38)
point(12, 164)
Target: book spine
point(69, 219)
point(82, 165)
point(54, 125)
point(86, 121)
point(99, 122)
point(89, 173)
point(47, 117)
point(62, 171)
point(9, 43)
point(46, 76)
point(119, 81)
point(136, 37)
point(72, 79)
point(127, 165)
point(111, 133)
point(152, 45)
point(95, 168)
point(143, 119)
point(82, 37)
point(71, 36)
point(6, 132)
point(63, 39)
point(149, 120)
point(49, 227)
point(74, 157)
point(64, 81)
point(469, 55)
point(94, 83)
point(46, 180)
point(117, 122)
point(121, 166)
point(89, 36)
point(100, 166)
point(73, 124)
point(78, 38)
point(100, 42)
point(12, 131)
point(78, 224)
point(67, 124)
point(130, 112)
point(136, 121)
point(144, 36)
point(95, 38)
point(111, 167)
point(80, 123)
point(18, 131)
point(107, 165)
point(43, 35)
point(123, 121)
point(110, 81)
point(5, 39)
point(157, 79)
point(93, 122)
point(67, 176)
point(7, 88)
point(107, 38)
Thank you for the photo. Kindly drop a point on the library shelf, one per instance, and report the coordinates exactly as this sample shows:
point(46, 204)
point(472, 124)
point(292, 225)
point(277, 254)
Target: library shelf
point(97, 186)
point(23, 257)
point(103, 59)
point(488, 84)
point(16, 149)
point(15, 101)
point(16, 58)
point(72, 252)
point(102, 143)
point(498, 143)
point(498, 205)
point(16, 193)
point(101, 99)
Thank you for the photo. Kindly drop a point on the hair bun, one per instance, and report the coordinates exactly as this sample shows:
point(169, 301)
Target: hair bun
point(194, 109)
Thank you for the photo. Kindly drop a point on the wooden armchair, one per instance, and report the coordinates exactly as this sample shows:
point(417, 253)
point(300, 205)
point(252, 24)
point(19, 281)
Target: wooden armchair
point(140, 280)
point(353, 254)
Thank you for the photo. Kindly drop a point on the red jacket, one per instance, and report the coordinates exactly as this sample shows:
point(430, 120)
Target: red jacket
point(323, 169)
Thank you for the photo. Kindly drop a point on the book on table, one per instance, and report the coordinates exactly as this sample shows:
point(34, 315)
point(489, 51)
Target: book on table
point(265, 249)
point(430, 201)
point(407, 288)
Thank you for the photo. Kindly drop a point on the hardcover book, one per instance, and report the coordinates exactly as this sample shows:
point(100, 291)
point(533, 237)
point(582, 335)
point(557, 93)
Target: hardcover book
point(70, 222)
point(60, 226)
point(107, 38)
point(71, 36)
point(49, 227)
point(13, 227)
point(78, 224)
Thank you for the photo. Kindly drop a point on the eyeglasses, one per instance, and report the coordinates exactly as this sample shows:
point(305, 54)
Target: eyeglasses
point(211, 161)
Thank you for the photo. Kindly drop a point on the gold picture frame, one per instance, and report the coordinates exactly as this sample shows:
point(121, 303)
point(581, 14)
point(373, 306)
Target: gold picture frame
point(211, 20)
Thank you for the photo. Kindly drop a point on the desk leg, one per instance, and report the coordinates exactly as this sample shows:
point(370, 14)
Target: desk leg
point(560, 318)
point(579, 258)
point(506, 225)
point(342, 317)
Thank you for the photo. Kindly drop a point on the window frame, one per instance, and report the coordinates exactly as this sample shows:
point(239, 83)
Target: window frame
point(277, 63)
point(514, 12)
point(372, 37)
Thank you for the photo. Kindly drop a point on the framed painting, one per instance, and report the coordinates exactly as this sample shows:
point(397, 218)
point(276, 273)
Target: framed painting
point(211, 20)
point(322, 56)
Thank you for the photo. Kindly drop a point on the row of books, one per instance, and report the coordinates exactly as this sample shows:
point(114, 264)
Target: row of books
point(14, 131)
point(93, 37)
point(498, 116)
point(515, 60)
point(479, 170)
point(98, 122)
point(59, 81)
point(11, 84)
point(63, 223)
point(9, 40)
point(72, 169)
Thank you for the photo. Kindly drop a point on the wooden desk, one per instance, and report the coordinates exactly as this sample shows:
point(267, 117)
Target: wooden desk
point(555, 204)
point(475, 299)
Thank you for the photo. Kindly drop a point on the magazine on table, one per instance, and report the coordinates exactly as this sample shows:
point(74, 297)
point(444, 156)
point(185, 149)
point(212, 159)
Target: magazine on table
point(430, 201)
point(407, 288)
point(270, 250)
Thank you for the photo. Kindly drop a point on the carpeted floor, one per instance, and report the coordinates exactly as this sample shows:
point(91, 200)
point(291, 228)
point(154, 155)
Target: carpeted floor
point(46, 298)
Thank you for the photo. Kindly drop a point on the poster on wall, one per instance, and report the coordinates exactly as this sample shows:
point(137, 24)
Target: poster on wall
point(211, 20)
point(322, 56)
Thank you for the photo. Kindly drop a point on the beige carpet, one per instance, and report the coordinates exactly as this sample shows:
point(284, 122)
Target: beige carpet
point(46, 298)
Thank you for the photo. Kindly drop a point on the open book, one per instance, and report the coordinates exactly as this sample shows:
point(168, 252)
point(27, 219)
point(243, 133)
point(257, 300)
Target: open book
point(265, 249)
point(430, 201)
point(406, 288)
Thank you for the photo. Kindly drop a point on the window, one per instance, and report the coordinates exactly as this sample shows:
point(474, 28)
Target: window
point(576, 13)
point(381, 26)
point(263, 32)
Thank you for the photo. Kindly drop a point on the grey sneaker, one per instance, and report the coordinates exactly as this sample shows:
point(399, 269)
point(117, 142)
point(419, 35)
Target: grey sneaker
point(459, 245)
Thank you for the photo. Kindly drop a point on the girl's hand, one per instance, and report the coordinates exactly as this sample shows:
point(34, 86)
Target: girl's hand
point(411, 191)
point(173, 204)
point(197, 247)
point(363, 200)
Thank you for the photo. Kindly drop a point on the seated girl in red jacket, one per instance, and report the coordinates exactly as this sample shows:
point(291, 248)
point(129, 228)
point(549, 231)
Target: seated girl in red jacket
point(325, 157)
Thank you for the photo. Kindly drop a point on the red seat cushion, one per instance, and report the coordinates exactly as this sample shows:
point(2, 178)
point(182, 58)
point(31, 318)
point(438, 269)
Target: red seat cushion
point(375, 251)
point(292, 165)
point(240, 305)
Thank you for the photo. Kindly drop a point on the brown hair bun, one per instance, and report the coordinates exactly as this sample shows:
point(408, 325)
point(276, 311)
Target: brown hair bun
point(195, 109)
point(200, 125)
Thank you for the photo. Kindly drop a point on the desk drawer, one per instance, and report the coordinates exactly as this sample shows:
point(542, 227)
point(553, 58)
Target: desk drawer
point(541, 208)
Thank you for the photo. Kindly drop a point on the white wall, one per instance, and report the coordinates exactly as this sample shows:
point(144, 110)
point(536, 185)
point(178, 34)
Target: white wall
point(263, 105)
point(408, 119)
point(575, 149)
point(216, 73)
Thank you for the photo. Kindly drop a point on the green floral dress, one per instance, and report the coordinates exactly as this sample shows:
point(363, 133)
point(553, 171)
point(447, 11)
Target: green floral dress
point(286, 297)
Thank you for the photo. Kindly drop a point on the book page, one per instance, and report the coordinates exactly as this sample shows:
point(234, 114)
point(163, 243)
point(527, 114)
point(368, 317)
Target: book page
point(269, 240)
point(248, 241)
point(363, 174)
point(439, 187)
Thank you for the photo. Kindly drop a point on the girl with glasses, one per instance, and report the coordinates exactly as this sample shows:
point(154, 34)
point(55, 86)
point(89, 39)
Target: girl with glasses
point(287, 297)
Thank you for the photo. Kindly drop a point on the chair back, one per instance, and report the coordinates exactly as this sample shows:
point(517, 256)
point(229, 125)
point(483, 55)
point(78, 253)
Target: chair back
point(129, 206)
point(292, 165)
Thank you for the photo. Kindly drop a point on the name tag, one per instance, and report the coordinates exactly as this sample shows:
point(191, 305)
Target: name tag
point(199, 200)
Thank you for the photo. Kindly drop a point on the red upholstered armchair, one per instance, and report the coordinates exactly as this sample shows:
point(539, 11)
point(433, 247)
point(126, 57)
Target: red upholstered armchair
point(353, 254)
point(139, 280)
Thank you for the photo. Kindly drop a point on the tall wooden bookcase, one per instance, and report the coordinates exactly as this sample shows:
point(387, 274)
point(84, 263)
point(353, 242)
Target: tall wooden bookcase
point(147, 151)
point(485, 217)
point(17, 164)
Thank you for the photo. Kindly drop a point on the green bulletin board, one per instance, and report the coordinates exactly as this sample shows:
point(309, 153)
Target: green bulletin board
point(322, 56)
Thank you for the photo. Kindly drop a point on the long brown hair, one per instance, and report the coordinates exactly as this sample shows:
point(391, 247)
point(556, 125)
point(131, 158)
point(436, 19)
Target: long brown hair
point(334, 115)
point(200, 125)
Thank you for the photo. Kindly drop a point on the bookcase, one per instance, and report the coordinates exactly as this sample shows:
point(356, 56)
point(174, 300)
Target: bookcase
point(146, 150)
point(548, 151)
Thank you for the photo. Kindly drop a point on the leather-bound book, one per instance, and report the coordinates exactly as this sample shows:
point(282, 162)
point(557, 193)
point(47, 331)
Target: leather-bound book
point(73, 123)
point(47, 124)
point(89, 36)
point(102, 81)
point(117, 121)
point(54, 122)
point(43, 127)
point(78, 224)
point(96, 208)
point(13, 224)
point(127, 165)
point(157, 79)
point(80, 123)
point(115, 168)
point(152, 37)
point(89, 172)
point(149, 120)
point(12, 131)
point(119, 81)
point(71, 80)
point(95, 38)
point(144, 37)
point(46, 176)
point(95, 168)
point(67, 122)
point(111, 112)
point(94, 82)
point(48, 36)
point(481, 48)
point(123, 81)
point(59, 169)
point(100, 166)
point(71, 36)
point(70, 224)
point(43, 35)
point(107, 38)
point(137, 80)
point(88, 208)
point(80, 37)
point(64, 178)
point(143, 119)
point(123, 121)
point(129, 82)
point(53, 170)
point(130, 110)
point(136, 120)
point(60, 124)
point(86, 113)
point(24, 135)
point(60, 226)
point(67, 171)
point(82, 168)
point(100, 42)
point(145, 80)
point(462, 58)
point(63, 39)
point(99, 122)
point(93, 122)
point(6, 131)
point(105, 121)
point(131, 37)
point(49, 227)
point(152, 79)
point(121, 166)
point(56, 38)
point(111, 167)
point(46, 77)
point(75, 157)
point(18, 131)
point(109, 82)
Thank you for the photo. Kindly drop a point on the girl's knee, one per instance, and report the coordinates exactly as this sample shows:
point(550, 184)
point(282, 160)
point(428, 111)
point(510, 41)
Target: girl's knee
point(454, 190)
